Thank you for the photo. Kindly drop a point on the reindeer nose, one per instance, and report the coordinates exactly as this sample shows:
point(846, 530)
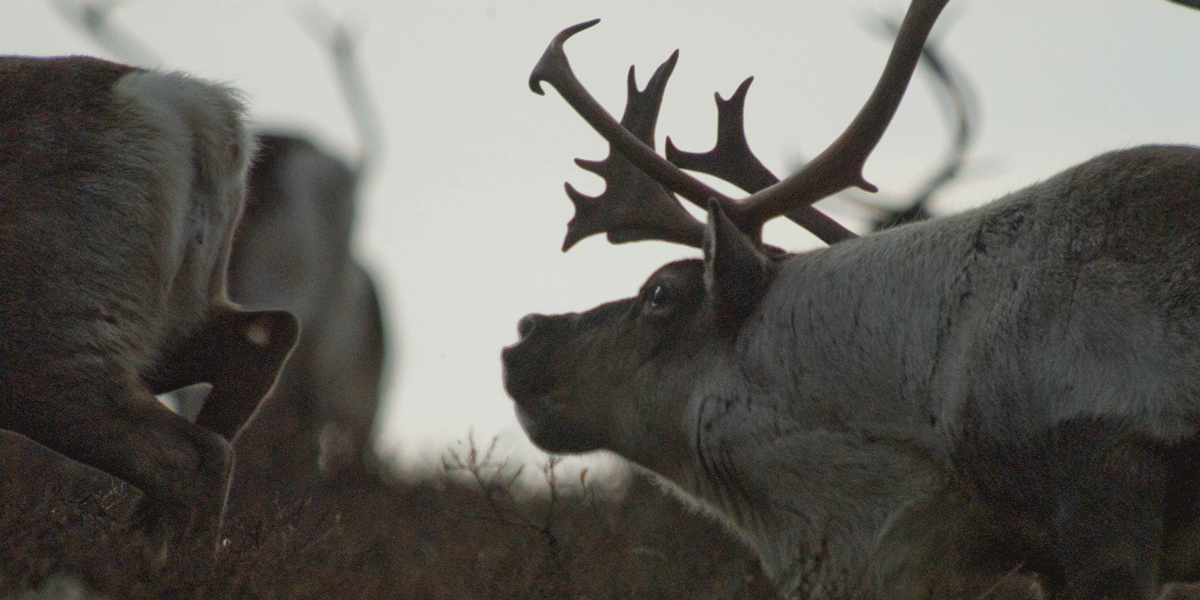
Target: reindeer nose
point(528, 323)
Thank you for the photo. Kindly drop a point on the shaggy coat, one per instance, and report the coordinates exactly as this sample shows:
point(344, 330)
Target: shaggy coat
point(119, 193)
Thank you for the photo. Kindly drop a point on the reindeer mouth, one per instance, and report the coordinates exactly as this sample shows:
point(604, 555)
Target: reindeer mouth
point(530, 381)
point(533, 377)
point(525, 373)
point(528, 364)
point(542, 422)
point(527, 387)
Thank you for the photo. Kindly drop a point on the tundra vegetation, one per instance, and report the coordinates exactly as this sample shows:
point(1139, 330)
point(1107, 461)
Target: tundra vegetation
point(998, 403)
point(471, 531)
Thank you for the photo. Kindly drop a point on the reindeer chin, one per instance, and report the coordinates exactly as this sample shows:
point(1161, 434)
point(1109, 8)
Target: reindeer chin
point(529, 423)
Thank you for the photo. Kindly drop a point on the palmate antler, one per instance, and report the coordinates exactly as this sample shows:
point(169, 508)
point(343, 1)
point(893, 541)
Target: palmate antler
point(633, 206)
point(626, 218)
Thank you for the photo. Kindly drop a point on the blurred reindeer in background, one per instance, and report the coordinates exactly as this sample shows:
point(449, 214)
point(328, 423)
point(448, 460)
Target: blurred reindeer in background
point(293, 250)
point(119, 193)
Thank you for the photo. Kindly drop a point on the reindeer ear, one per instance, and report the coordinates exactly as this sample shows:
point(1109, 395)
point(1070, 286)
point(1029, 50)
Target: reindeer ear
point(736, 272)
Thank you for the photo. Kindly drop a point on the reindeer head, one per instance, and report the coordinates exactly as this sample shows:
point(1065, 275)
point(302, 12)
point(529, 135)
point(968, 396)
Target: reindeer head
point(617, 377)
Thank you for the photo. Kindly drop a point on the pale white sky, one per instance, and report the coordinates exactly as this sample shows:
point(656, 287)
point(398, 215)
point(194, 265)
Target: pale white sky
point(463, 222)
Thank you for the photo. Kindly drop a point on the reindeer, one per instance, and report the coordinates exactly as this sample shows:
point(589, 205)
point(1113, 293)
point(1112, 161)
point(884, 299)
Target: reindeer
point(292, 251)
point(121, 191)
point(1000, 403)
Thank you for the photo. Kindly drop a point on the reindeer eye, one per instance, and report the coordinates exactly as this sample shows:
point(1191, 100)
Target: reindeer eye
point(659, 297)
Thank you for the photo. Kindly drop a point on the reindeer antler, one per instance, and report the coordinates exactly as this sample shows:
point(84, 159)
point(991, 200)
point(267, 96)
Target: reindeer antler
point(955, 93)
point(553, 68)
point(838, 167)
point(341, 43)
point(633, 206)
point(731, 158)
point(94, 18)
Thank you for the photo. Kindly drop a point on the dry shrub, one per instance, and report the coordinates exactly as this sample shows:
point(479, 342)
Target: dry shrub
point(471, 531)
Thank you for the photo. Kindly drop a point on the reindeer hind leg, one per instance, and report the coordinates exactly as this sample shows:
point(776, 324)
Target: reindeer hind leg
point(92, 410)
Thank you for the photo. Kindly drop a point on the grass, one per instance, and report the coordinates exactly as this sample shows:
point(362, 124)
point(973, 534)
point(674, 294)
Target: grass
point(472, 530)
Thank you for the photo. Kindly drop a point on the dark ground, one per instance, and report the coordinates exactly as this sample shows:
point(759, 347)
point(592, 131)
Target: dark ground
point(467, 532)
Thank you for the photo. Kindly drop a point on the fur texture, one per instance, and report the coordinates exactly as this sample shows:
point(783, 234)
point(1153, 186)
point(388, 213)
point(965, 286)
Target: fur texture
point(120, 192)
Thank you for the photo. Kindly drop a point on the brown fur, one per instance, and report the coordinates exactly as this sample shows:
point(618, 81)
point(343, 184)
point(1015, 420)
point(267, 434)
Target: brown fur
point(119, 193)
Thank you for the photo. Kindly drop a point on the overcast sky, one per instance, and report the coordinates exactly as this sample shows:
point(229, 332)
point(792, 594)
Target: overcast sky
point(463, 222)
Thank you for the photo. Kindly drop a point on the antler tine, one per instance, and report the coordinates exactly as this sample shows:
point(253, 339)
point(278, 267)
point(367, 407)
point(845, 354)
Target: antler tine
point(956, 93)
point(341, 43)
point(553, 68)
point(840, 165)
point(731, 158)
point(633, 206)
point(94, 18)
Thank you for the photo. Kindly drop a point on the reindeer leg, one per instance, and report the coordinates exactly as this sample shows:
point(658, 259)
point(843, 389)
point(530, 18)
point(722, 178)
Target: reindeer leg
point(240, 353)
point(99, 413)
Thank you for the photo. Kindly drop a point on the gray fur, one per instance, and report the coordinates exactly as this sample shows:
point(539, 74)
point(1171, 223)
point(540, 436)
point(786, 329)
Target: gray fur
point(293, 251)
